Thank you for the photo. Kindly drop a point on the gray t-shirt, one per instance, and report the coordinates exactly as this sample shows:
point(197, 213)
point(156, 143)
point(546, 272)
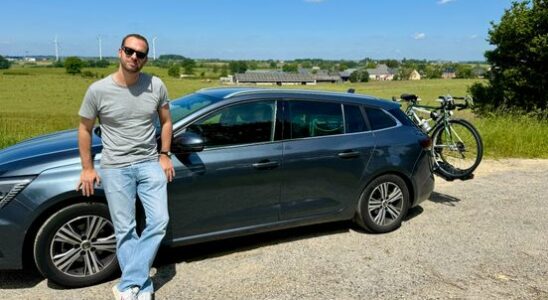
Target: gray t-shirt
point(126, 116)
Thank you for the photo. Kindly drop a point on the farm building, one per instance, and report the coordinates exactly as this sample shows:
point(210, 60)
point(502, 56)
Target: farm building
point(273, 78)
point(345, 75)
point(321, 75)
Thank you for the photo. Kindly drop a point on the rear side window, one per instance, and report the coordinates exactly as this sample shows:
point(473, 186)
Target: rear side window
point(400, 115)
point(378, 119)
point(310, 119)
point(354, 120)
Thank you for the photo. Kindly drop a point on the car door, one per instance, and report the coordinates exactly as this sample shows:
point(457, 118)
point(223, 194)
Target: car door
point(234, 182)
point(326, 150)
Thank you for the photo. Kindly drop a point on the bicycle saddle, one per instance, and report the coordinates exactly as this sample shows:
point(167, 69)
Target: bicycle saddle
point(409, 97)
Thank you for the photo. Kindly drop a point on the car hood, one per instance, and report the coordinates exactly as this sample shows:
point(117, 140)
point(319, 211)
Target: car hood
point(35, 155)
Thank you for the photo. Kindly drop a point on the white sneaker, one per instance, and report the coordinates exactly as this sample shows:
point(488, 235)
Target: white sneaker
point(129, 294)
point(144, 295)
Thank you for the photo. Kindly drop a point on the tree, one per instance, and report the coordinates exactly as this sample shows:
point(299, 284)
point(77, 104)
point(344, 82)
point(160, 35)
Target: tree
point(103, 63)
point(188, 65)
point(433, 71)
point(464, 71)
point(359, 76)
point(239, 66)
point(4, 63)
point(224, 71)
point(73, 65)
point(519, 61)
point(174, 71)
point(290, 68)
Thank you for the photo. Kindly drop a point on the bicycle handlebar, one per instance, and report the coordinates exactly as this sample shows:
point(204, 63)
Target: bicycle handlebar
point(447, 102)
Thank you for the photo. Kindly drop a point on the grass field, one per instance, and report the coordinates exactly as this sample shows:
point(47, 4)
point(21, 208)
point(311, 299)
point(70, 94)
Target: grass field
point(38, 100)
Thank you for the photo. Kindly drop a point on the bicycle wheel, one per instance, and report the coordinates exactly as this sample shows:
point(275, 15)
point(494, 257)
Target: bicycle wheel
point(457, 149)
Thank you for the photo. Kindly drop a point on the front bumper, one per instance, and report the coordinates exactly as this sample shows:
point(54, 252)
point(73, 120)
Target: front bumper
point(12, 235)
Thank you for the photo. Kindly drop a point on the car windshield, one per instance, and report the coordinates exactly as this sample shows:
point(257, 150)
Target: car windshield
point(186, 105)
point(182, 107)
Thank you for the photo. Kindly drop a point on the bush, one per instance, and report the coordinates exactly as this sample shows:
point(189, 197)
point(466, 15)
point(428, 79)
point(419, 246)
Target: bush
point(73, 65)
point(4, 63)
point(89, 74)
point(174, 71)
point(359, 76)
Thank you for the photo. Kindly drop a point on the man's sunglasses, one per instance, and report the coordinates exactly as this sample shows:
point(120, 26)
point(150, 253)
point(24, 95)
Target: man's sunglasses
point(129, 52)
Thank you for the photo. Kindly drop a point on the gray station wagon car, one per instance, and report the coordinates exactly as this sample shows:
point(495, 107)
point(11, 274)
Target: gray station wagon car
point(247, 160)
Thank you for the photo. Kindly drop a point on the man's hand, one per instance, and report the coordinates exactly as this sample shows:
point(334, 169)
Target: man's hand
point(88, 179)
point(167, 166)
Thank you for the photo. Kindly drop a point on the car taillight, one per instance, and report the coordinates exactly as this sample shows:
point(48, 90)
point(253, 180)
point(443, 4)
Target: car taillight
point(426, 142)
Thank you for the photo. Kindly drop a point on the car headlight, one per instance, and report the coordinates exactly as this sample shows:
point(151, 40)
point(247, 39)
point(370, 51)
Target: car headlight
point(10, 187)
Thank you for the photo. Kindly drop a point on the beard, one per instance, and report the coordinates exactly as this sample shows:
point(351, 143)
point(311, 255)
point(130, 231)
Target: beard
point(131, 67)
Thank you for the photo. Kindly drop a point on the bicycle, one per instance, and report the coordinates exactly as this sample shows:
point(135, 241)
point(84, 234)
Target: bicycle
point(457, 148)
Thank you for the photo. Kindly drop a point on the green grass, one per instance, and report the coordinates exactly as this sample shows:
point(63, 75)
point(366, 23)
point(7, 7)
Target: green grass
point(38, 100)
point(514, 136)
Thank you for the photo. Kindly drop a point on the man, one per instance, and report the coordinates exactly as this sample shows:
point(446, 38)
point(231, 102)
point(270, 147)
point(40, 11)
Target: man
point(127, 103)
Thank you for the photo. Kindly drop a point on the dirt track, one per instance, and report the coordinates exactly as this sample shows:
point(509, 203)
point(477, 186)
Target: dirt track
point(480, 239)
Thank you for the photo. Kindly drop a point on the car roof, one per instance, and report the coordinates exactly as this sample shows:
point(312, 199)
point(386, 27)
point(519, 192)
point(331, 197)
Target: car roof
point(225, 93)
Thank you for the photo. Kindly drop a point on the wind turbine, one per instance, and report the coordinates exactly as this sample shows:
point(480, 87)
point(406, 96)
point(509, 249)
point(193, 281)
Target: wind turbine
point(154, 48)
point(56, 48)
point(100, 48)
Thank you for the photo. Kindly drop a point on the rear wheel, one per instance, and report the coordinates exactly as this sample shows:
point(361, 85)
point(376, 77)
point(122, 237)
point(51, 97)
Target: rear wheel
point(457, 149)
point(76, 246)
point(383, 204)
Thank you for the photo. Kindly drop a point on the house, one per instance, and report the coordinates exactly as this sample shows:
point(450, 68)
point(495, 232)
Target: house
point(273, 78)
point(448, 74)
point(381, 72)
point(415, 75)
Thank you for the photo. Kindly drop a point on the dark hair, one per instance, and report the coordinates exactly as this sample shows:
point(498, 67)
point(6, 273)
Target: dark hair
point(137, 36)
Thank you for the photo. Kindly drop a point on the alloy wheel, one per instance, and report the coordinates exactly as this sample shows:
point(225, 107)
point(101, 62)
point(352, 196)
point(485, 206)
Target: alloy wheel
point(84, 246)
point(385, 203)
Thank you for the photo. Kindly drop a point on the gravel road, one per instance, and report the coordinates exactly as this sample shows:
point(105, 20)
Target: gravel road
point(480, 239)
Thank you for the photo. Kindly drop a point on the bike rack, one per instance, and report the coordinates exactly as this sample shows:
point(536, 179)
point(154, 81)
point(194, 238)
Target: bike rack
point(448, 178)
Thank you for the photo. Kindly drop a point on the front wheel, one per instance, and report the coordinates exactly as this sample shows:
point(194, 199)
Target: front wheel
point(76, 246)
point(383, 204)
point(457, 149)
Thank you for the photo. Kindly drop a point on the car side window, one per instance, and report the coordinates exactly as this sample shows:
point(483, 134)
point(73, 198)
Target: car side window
point(310, 119)
point(244, 123)
point(378, 119)
point(354, 121)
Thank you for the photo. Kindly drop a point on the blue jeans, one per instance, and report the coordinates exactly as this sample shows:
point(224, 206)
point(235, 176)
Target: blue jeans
point(136, 254)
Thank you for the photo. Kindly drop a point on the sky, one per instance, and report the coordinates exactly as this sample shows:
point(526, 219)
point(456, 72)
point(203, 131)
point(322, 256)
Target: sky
point(454, 30)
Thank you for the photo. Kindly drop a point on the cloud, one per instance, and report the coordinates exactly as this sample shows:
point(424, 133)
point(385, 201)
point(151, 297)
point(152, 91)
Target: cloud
point(419, 36)
point(473, 36)
point(442, 2)
point(314, 1)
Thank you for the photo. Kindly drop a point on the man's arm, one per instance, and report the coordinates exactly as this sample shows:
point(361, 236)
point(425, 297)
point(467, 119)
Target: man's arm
point(89, 176)
point(166, 133)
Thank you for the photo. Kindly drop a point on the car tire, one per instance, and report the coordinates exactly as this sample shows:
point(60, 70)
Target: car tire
point(76, 246)
point(383, 204)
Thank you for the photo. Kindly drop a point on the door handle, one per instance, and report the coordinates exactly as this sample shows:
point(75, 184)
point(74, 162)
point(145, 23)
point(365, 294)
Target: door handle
point(265, 165)
point(348, 154)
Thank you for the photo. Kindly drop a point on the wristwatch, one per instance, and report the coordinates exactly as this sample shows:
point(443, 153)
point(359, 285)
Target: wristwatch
point(168, 153)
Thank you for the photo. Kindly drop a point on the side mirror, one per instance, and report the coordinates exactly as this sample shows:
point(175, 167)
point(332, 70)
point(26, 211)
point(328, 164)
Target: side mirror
point(187, 142)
